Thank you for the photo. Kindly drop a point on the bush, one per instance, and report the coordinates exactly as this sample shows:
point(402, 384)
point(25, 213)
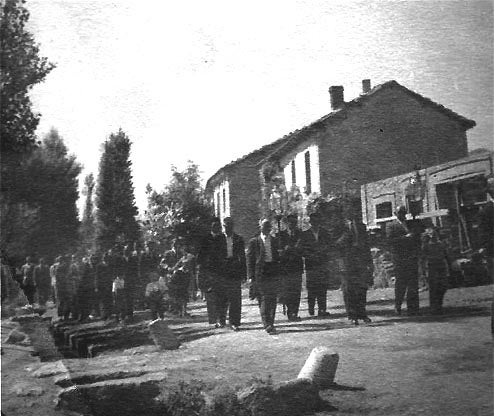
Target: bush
point(258, 398)
point(198, 399)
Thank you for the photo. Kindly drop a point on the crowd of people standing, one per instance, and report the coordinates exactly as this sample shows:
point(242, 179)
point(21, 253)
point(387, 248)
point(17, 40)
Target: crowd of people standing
point(335, 247)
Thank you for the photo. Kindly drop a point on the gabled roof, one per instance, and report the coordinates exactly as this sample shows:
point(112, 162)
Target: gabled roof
point(273, 150)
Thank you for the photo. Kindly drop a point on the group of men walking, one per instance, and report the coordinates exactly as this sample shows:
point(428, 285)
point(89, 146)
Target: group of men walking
point(274, 265)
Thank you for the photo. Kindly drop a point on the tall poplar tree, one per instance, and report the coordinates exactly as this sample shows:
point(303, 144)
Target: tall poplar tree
point(115, 202)
point(88, 230)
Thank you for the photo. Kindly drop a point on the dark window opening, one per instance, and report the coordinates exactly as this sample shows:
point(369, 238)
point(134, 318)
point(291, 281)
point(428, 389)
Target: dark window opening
point(224, 200)
point(308, 184)
point(218, 204)
point(384, 210)
point(294, 174)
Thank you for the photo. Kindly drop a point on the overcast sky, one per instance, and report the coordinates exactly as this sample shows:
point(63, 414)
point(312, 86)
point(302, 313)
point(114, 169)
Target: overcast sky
point(212, 80)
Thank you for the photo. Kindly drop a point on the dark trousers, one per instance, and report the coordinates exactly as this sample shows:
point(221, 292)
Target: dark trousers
point(84, 302)
point(129, 301)
point(119, 303)
point(355, 299)
point(211, 306)
point(267, 300)
point(437, 288)
point(291, 290)
point(106, 302)
point(157, 308)
point(30, 292)
point(229, 299)
point(407, 282)
point(316, 290)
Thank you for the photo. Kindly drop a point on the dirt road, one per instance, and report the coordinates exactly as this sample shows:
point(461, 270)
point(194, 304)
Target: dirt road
point(393, 366)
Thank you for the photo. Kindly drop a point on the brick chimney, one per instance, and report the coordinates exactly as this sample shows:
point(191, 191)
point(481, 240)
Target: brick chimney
point(366, 86)
point(336, 96)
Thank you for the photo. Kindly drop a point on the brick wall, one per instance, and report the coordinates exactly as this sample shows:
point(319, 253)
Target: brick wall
point(389, 134)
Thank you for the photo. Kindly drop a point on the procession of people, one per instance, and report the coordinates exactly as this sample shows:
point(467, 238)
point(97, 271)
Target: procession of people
point(334, 248)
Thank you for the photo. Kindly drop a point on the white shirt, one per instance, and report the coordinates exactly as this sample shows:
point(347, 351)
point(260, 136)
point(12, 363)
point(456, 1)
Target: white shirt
point(266, 239)
point(229, 246)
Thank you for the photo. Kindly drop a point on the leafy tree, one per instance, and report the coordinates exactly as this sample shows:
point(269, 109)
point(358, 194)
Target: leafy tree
point(88, 229)
point(181, 210)
point(46, 225)
point(21, 68)
point(54, 188)
point(115, 202)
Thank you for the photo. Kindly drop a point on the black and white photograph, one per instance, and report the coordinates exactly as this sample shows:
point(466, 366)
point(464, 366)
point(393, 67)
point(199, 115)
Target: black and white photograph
point(247, 208)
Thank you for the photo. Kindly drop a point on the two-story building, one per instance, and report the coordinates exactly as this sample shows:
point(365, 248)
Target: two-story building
point(387, 131)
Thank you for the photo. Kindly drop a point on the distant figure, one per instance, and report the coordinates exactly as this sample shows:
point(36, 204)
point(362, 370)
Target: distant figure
point(211, 267)
point(42, 280)
point(435, 257)
point(53, 279)
point(359, 267)
point(292, 267)
point(131, 279)
point(179, 279)
point(28, 283)
point(104, 281)
point(64, 289)
point(230, 296)
point(404, 244)
point(85, 290)
point(118, 268)
point(154, 297)
point(315, 244)
point(263, 272)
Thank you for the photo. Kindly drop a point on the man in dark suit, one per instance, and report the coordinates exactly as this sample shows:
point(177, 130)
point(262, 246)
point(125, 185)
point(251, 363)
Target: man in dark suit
point(229, 296)
point(263, 271)
point(404, 243)
point(315, 243)
point(292, 267)
point(211, 269)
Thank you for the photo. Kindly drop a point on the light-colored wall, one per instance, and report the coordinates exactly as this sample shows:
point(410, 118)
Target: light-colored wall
point(222, 209)
point(300, 174)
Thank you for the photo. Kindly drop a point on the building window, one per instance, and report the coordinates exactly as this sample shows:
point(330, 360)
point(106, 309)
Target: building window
point(308, 184)
point(294, 174)
point(384, 210)
point(224, 200)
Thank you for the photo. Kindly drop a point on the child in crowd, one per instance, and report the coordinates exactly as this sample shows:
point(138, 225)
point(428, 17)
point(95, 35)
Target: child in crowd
point(435, 257)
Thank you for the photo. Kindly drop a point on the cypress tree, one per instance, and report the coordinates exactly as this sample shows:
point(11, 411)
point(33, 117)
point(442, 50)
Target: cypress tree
point(115, 202)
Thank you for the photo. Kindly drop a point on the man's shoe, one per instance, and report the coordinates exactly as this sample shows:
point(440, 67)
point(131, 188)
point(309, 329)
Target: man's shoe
point(355, 322)
point(271, 330)
point(323, 314)
point(398, 311)
point(219, 325)
point(295, 319)
point(367, 320)
point(235, 328)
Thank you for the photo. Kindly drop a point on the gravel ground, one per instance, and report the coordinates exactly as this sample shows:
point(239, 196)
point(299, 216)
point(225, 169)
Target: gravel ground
point(393, 366)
